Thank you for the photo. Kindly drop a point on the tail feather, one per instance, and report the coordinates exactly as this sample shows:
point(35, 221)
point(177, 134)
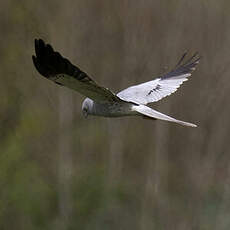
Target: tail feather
point(151, 113)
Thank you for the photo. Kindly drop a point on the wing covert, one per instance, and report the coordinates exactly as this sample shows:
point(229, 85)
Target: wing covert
point(163, 86)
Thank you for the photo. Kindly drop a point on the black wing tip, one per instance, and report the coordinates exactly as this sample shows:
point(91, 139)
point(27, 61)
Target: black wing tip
point(34, 60)
point(184, 66)
point(44, 59)
point(190, 63)
point(193, 57)
point(39, 41)
point(49, 62)
point(41, 47)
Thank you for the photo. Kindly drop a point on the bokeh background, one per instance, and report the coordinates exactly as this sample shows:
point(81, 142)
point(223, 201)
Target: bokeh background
point(61, 171)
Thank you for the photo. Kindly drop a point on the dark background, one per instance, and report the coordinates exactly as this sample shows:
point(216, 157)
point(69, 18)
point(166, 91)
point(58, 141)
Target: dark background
point(59, 170)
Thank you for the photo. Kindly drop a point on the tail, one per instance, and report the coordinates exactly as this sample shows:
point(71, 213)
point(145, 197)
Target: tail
point(151, 113)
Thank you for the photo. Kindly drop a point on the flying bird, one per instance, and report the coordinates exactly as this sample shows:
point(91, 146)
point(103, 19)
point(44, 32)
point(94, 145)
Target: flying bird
point(101, 101)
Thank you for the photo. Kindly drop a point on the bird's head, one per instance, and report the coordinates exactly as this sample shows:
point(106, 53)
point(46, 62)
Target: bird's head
point(87, 107)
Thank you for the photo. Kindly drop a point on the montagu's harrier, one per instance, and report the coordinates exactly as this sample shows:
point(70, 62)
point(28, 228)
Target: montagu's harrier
point(101, 101)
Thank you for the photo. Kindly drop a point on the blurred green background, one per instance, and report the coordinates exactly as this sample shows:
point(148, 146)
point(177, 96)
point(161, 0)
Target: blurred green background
point(61, 171)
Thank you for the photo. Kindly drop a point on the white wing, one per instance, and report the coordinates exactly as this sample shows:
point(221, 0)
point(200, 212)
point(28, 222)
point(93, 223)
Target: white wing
point(155, 90)
point(58, 69)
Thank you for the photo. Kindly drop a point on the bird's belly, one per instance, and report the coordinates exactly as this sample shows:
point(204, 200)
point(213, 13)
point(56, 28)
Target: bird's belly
point(113, 110)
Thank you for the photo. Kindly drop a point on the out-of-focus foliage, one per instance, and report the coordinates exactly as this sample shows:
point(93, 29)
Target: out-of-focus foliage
point(61, 171)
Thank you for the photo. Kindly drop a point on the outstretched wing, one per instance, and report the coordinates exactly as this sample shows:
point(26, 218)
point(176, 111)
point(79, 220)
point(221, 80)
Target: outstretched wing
point(58, 69)
point(163, 86)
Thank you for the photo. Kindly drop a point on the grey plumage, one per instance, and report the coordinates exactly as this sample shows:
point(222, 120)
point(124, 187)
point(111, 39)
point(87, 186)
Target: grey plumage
point(101, 101)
